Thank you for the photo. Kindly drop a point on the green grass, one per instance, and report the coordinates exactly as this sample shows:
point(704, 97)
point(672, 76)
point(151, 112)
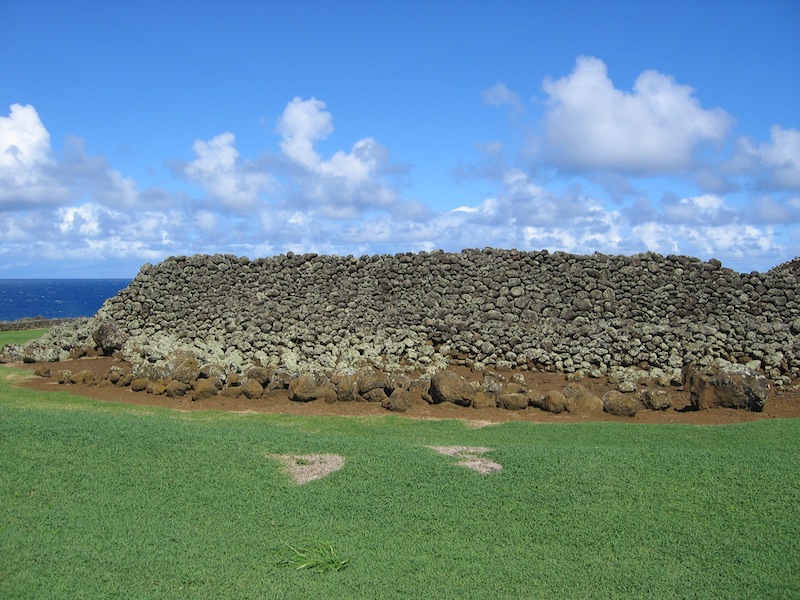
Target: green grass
point(317, 556)
point(113, 501)
point(19, 337)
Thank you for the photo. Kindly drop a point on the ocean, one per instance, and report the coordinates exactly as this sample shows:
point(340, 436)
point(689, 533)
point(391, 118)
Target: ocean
point(55, 298)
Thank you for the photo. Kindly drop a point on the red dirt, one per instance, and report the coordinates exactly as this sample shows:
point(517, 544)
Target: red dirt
point(783, 403)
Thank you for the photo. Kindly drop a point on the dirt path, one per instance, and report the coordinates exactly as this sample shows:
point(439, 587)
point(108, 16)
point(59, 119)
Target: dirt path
point(784, 403)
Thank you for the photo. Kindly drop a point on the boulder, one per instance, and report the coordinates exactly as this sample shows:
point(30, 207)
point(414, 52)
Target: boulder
point(399, 401)
point(327, 392)
point(580, 401)
point(42, 371)
point(109, 338)
point(346, 385)
point(252, 389)
point(203, 389)
point(84, 377)
point(175, 389)
point(484, 400)
point(446, 386)
point(727, 385)
point(552, 401)
point(235, 391)
point(261, 374)
point(182, 366)
point(303, 389)
point(375, 395)
point(139, 384)
point(622, 405)
point(513, 396)
point(656, 399)
point(371, 379)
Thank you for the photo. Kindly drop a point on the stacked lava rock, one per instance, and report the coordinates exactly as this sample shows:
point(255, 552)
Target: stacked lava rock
point(499, 309)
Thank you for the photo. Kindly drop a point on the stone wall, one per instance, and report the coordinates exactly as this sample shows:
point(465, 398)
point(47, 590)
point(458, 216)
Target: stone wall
point(483, 308)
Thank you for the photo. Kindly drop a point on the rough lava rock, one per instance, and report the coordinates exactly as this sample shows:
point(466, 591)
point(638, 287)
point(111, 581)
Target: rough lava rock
point(726, 385)
point(446, 386)
point(631, 317)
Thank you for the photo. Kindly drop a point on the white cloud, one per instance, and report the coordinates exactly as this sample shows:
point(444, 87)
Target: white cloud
point(707, 209)
point(302, 124)
point(736, 240)
point(24, 144)
point(344, 184)
point(500, 95)
point(84, 219)
point(218, 171)
point(346, 202)
point(591, 125)
point(775, 163)
point(25, 160)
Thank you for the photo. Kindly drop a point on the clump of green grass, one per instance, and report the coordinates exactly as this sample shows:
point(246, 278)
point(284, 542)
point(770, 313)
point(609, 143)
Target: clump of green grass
point(320, 557)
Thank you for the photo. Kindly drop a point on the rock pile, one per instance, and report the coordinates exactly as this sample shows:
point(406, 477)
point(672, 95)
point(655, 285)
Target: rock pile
point(618, 316)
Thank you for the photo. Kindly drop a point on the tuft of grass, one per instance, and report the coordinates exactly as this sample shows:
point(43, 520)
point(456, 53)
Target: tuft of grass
point(319, 557)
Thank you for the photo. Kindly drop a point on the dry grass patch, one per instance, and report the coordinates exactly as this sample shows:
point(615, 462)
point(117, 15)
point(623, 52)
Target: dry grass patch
point(477, 424)
point(302, 468)
point(470, 457)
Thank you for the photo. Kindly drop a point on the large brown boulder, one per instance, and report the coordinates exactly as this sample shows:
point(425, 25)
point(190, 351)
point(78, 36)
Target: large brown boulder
point(303, 389)
point(446, 386)
point(176, 388)
point(513, 396)
point(580, 401)
point(204, 388)
point(252, 389)
point(552, 401)
point(622, 405)
point(484, 400)
point(372, 379)
point(109, 338)
point(346, 385)
point(399, 401)
point(726, 385)
point(327, 392)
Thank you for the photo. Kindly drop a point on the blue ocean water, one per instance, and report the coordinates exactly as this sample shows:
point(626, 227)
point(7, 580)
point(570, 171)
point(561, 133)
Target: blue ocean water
point(55, 298)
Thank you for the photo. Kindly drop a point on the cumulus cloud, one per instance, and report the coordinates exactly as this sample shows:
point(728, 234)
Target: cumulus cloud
point(613, 153)
point(26, 163)
point(219, 173)
point(343, 184)
point(774, 164)
point(656, 128)
point(302, 124)
point(24, 144)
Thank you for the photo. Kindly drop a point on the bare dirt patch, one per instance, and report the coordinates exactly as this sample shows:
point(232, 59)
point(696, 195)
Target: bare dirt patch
point(470, 457)
point(302, 468)
point(783, 402)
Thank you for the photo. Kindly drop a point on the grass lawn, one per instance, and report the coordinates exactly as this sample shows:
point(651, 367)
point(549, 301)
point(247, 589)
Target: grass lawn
point(113, 501)
point(19, 337)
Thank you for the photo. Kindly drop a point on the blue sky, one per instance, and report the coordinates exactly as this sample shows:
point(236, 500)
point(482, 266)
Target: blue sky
point(132, 131)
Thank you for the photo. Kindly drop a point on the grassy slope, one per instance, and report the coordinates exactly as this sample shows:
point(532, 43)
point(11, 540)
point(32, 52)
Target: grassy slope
point(102, 500)
point(19, 337)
